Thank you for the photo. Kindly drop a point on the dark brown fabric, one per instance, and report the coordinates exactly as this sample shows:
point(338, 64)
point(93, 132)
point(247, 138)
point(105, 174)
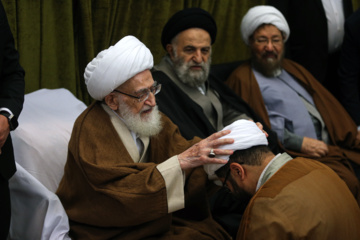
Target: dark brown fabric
point(108, 196)
point(342, 129)
point(303, 200)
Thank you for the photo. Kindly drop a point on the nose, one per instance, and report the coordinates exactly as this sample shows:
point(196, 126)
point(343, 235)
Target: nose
point(197, 57)
point(269, 46)
point(151, 101)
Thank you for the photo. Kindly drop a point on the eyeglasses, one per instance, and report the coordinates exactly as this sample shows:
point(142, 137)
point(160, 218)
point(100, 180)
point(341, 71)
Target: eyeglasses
point(228, 175)
point(144, 94)
point(262, 41)
point(226, 178)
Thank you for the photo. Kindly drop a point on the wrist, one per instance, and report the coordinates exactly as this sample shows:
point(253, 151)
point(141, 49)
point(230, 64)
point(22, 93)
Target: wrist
point(9, 117)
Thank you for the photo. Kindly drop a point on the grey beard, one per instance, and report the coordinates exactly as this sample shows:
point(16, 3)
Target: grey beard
point(188, 77)
point(269, 68)
point(148, 127)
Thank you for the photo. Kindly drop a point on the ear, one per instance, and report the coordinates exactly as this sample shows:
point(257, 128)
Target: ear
point(238, 170)
point(170, 51)
point(112, 101)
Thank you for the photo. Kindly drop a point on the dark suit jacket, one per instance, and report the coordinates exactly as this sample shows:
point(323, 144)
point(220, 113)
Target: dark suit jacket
point(308, 41)
point(349, 70)
point(11, 89)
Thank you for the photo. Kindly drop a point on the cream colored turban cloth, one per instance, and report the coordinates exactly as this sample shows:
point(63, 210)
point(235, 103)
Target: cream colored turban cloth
point(246, 134)
point(262, 15)
point(115, 65)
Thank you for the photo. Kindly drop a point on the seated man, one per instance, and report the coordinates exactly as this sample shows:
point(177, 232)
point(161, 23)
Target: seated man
point(198, 103)
point(309, 121)
point(291, 198)
point(129, 173)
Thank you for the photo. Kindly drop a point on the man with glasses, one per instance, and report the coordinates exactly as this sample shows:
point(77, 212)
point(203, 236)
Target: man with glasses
point(308, 120)
point(129, 173)
point(291, 198)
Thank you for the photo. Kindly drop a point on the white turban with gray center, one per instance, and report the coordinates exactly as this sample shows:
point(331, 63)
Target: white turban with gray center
point(259, 15)
point(246, 134)
point(115, 65)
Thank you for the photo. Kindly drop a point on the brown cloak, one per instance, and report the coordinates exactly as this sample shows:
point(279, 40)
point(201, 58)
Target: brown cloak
point(342, 129)
point(303, 200)
point(108, 196)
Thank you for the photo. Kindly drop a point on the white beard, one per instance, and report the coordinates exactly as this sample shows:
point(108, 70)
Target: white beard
point(150, 126)
point(189, 77)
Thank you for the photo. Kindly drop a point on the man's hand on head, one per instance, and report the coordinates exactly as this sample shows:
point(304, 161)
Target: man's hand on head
point(260, 126)
point(198, 154)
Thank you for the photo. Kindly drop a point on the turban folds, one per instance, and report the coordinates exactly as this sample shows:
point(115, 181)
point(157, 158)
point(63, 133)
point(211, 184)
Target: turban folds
point(259, 15)
point(185, 19)
point(246, 134)
point(115, 65)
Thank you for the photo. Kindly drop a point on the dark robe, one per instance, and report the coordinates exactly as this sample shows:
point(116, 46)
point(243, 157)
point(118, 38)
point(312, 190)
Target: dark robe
point(12, 86)
point(189, 116)
point(342, 129)
point(108, 196)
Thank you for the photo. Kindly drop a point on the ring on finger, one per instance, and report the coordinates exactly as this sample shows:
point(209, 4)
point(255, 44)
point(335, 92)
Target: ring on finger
point(211, 154)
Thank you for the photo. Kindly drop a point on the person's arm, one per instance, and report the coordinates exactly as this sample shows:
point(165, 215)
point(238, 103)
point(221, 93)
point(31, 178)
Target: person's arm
point(174, 179)
point(310, 146)
point(11, 80)
point(349, 71)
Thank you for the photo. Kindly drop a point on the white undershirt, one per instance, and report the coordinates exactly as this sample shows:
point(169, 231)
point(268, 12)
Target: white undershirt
point(335, 22)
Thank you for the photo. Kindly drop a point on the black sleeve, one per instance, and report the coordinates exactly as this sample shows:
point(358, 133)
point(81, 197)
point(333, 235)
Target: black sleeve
point(12, 85)
point(186, 114)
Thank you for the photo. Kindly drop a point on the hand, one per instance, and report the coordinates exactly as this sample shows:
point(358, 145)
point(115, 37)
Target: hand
point(198, 154)
point(260, 126)
point(314, 147)
point(4, 130)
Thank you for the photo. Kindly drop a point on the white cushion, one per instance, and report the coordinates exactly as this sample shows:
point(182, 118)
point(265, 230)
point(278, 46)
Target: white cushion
point(41, 139)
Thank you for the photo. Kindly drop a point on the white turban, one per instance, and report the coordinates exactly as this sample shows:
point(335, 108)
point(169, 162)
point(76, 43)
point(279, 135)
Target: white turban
point(115, 65)
point(262, 15)
point(246, 134)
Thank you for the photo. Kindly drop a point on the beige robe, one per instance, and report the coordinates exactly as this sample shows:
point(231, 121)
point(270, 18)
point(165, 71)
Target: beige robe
point(342, 129)
point(304, 199)
point(108, 196)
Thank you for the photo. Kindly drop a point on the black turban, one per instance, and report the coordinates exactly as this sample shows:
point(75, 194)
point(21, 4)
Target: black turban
point(185, 19)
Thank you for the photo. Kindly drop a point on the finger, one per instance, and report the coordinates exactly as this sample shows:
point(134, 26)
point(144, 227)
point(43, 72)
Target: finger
point(218, 135)
point(219, 142)
point(260, 126)
point(266, 134)
point(223, 152)
point(215, 160)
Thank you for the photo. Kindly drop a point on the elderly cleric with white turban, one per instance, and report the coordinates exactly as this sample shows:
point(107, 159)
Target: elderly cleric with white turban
point(259, 15)
point(115, 65)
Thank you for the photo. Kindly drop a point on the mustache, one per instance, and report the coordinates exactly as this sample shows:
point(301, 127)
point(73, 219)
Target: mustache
point(192, 64)
point(146, 108)
point(268, 54)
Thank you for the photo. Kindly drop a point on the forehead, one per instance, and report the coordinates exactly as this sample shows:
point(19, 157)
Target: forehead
point(194, 37)
point(140, 81)
point(267, 30)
